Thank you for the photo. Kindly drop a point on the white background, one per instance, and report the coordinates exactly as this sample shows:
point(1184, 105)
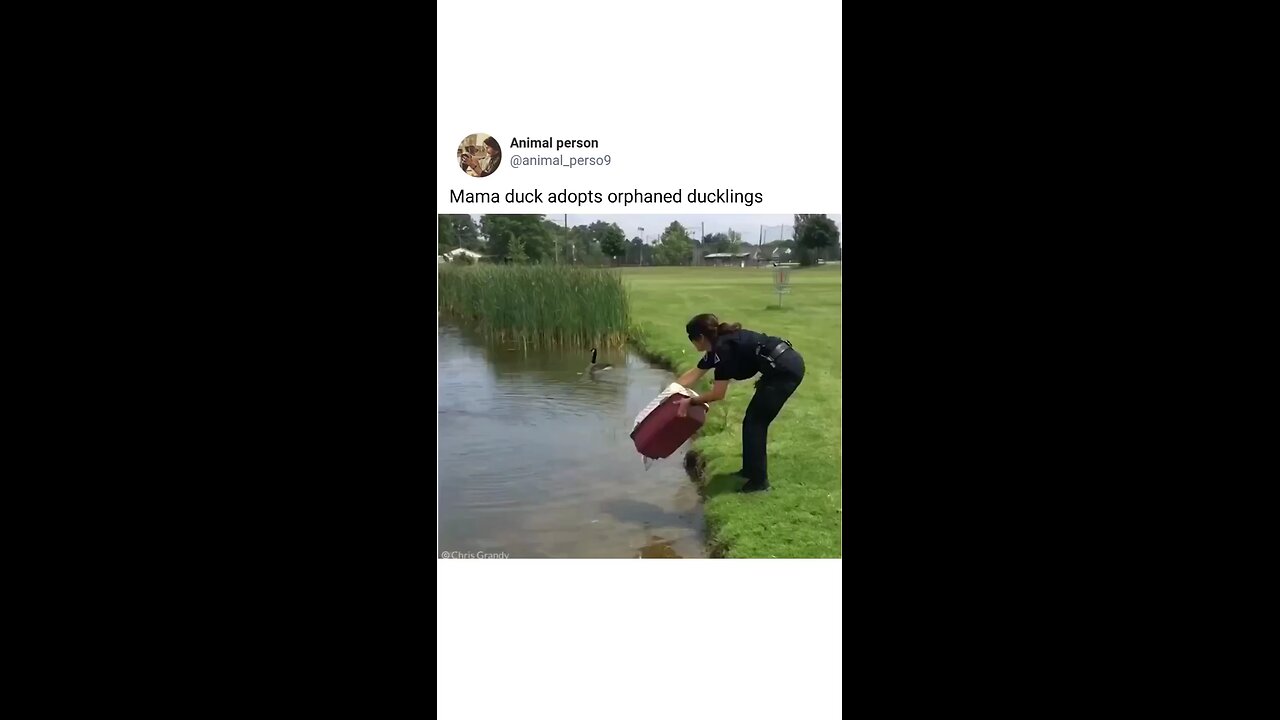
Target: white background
point(712, 95)
point(741, 95)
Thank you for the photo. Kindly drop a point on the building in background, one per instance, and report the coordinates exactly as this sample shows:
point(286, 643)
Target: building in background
point(726, 259)
point(462, 252)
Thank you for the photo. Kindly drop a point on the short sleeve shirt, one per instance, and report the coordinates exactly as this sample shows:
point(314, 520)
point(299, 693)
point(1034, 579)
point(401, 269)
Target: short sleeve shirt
point(734, 356)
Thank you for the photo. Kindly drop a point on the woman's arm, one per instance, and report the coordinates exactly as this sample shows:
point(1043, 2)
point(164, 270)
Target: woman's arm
point(691, 377)
point(718, 390)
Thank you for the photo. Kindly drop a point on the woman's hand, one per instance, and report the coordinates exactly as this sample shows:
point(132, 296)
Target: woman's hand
point(682, 407)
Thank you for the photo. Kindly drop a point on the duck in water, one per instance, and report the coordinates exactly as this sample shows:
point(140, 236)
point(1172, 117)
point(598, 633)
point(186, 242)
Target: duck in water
point(596, 367)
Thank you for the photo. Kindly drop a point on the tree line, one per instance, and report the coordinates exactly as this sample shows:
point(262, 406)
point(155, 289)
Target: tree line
point(535, 239)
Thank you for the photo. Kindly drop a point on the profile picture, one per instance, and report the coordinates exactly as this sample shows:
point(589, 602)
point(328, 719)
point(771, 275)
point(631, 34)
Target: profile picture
point(479, 155)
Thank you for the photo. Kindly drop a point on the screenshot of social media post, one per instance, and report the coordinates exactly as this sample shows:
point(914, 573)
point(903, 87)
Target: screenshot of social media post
point(639, 258)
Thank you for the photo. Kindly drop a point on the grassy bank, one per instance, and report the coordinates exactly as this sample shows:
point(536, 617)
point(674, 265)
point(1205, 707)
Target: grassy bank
point(538, 304)
point(800, 517)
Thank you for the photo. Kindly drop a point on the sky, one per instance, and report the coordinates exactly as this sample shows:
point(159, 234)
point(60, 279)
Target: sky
point(749, 225)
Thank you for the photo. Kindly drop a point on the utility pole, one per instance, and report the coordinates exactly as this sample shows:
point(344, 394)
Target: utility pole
point(569, 239)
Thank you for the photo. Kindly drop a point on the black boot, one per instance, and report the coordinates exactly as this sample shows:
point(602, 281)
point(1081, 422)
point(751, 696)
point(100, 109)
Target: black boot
point(754, 486)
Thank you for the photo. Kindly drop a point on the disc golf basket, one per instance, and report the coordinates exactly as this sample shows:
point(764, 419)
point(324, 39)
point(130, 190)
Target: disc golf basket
point(781, 282)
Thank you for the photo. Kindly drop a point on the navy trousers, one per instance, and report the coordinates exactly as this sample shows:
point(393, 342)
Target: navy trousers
point(772, 390)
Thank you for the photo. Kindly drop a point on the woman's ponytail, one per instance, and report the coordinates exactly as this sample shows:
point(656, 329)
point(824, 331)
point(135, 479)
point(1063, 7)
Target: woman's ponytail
point(709, 326)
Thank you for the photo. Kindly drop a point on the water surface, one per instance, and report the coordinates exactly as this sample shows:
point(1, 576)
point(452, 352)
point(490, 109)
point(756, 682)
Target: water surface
point(536, 460)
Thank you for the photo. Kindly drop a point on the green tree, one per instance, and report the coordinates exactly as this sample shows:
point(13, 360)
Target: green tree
point(460, 231)
point(467, 233)
point(597, 243)
point(559, 242)
point(516, 249)
point(447, 237)
point(675, 247)
point(613, 241)
point(581, 242)
point(815, 233)
point(715, 243)
point(635, 251)
point(535, 239)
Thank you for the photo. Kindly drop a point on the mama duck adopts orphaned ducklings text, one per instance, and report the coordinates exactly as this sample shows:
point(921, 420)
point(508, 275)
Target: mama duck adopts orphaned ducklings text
point(588, 197)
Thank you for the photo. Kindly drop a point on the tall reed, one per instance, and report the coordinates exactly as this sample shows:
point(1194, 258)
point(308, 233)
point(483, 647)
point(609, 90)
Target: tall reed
point(537, 304)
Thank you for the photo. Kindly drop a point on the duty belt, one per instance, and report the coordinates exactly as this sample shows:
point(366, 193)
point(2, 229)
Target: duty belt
point(773, 354)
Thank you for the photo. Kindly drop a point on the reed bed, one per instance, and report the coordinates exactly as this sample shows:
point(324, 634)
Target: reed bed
point(538, 305)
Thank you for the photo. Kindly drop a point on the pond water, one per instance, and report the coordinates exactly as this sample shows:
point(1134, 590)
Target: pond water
point(536, 460)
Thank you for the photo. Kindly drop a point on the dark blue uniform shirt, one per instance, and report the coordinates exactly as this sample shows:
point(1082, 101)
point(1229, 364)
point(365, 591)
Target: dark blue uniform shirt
point(734, 355)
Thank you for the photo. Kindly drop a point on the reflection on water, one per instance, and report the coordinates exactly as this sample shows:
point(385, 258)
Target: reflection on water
point(536, 458)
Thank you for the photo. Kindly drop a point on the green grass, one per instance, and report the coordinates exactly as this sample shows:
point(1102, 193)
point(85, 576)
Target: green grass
point(538, 304)
point(800, 517)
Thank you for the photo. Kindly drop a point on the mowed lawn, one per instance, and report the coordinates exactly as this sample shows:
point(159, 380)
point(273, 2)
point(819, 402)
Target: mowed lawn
point(800, 517)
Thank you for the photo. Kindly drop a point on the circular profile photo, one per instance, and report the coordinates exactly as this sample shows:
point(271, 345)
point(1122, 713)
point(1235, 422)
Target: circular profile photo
point(479, 155)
